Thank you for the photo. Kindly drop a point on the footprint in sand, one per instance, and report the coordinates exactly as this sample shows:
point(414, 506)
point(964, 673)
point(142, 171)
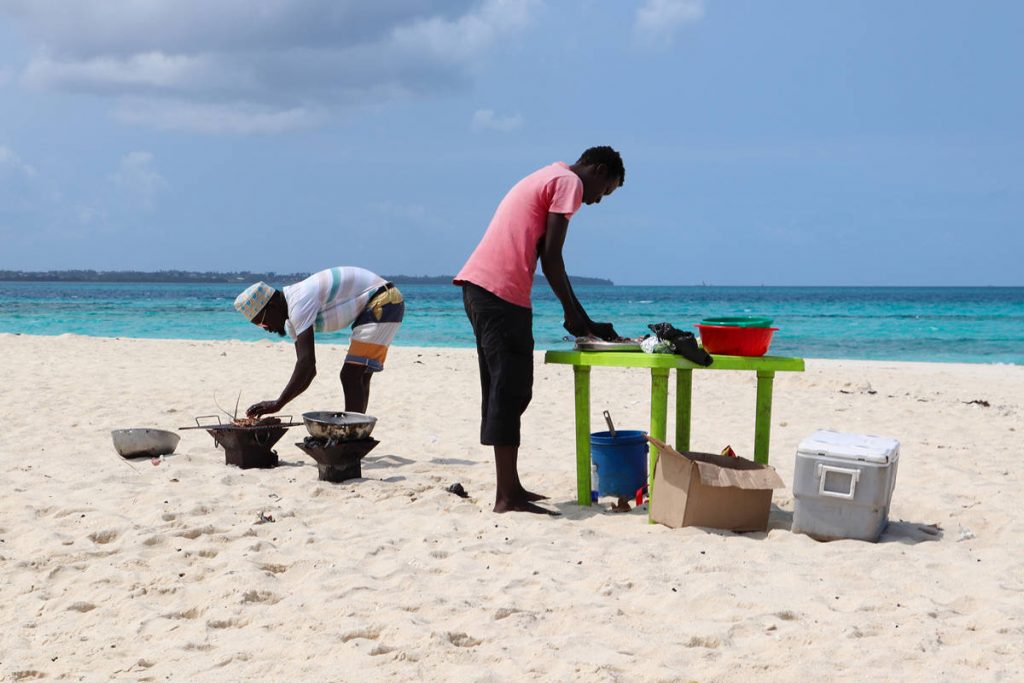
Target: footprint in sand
point(700, 641)
point(196, 532)
point(104, 537)
point(363, 633)
point(192, 613)
point(81, 607)
point(233, 622)
point(68, 512)
point(462, 640)
point(856, 632)
point(505, 612)
point(255, 596)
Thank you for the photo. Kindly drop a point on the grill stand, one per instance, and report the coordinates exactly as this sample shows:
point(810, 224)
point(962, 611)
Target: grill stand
point(250, 448)
point(338, 461)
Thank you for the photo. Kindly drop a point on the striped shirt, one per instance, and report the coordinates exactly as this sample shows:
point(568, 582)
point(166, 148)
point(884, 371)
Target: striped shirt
point(330, 300)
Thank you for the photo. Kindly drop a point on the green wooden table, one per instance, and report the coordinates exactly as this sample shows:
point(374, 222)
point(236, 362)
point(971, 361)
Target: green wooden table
point(660, 364)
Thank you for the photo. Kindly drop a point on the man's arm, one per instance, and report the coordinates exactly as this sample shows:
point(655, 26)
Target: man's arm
point(576, 320)
point(603, 330)
point(302, 376)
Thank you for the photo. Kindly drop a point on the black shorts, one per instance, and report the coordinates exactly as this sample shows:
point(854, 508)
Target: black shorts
point(504, 348)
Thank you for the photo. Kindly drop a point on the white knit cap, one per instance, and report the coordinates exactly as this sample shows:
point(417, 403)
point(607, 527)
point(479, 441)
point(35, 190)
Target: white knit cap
point(250, 302)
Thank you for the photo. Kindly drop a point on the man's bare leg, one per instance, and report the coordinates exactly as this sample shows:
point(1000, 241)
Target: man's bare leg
point(355, 382)
point(509, 495)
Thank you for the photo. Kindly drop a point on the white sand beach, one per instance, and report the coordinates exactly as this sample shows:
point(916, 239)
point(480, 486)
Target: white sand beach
point(117, 570)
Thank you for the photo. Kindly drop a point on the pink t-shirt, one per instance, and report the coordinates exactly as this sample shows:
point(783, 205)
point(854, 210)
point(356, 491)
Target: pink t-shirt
point(506, 259)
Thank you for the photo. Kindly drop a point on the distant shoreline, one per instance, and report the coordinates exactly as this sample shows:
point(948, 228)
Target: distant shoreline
point(213, 277)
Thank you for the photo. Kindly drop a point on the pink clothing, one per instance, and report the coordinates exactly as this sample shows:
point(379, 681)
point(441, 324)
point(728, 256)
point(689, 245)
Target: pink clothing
point(505, 261)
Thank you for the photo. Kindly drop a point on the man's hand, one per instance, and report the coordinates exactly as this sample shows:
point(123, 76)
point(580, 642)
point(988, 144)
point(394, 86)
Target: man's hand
point(604, 330)
point(263, 408)
point(576, 325)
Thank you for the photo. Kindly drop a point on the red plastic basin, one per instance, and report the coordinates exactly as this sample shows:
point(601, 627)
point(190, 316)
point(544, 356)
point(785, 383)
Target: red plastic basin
point(736, 341)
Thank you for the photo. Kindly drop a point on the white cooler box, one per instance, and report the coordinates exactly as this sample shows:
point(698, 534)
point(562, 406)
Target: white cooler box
point(842, 485)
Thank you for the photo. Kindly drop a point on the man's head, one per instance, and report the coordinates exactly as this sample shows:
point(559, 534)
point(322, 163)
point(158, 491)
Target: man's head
point(260, 303)
point(601, 170)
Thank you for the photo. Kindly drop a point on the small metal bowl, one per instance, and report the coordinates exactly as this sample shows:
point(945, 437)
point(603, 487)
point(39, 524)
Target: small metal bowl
point(144, 442)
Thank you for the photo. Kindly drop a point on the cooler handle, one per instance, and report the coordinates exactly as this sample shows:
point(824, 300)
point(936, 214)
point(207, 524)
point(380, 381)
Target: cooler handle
point(824, 470)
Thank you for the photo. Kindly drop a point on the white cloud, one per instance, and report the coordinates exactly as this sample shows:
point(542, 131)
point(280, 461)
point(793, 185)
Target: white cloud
point(486, 119)
point(465, 37)
point(87, 215)
point(260, 67)
point(658, 20)
point(137, 175)
point(10, 160)
point(153, 71)
point(241, 118)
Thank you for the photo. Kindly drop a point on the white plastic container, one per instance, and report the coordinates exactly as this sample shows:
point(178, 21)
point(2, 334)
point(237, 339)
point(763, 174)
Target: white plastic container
point(843, 484)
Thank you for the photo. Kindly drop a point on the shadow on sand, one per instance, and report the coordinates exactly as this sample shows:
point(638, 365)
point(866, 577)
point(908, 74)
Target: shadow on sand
point(390, 460)
point(898, 531)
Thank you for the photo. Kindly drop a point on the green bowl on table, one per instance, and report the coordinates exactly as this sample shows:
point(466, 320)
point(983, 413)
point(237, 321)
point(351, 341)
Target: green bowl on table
point(738, 321)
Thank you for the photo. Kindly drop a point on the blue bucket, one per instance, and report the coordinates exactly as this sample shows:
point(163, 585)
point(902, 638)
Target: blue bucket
point(620, 461)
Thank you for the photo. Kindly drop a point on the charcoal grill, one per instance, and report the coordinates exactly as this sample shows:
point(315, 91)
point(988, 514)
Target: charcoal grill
point(337, 460)
point(247, 446)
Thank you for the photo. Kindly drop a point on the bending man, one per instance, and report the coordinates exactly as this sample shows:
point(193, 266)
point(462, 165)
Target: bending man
point(328, 301)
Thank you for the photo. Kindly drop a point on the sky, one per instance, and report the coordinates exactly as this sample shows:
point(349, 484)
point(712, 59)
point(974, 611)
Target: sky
point(765, 143)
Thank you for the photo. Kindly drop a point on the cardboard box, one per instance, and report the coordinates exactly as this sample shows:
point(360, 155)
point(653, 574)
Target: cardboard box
point(702, 489)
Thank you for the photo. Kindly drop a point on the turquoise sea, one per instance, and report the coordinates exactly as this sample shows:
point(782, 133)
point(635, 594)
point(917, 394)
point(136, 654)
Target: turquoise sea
point(956, 324)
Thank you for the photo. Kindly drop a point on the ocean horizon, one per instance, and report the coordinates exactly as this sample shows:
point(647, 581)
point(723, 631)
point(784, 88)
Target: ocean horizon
point(941, 324)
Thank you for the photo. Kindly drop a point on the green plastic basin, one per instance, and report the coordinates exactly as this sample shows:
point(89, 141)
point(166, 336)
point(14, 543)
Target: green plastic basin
point(739, 321)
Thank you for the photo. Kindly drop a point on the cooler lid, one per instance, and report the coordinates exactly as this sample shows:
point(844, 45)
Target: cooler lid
point(863, 447)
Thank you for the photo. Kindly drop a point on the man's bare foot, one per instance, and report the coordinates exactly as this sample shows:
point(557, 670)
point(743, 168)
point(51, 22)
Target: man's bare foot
point(530, 495)
point(521, 505)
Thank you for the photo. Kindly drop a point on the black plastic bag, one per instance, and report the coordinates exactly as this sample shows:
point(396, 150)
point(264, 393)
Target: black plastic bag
point(681, 343)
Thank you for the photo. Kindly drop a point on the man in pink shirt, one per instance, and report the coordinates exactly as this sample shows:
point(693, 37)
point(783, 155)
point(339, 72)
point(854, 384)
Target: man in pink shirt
point(530, 224)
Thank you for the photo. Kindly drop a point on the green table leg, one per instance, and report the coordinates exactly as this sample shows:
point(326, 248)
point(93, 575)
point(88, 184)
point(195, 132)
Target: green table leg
point(763, 419)
point(581, 379)
point(684, 394)
point(659, 422)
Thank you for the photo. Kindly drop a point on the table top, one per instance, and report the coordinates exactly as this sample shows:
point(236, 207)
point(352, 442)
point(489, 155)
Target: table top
point(639, 359)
